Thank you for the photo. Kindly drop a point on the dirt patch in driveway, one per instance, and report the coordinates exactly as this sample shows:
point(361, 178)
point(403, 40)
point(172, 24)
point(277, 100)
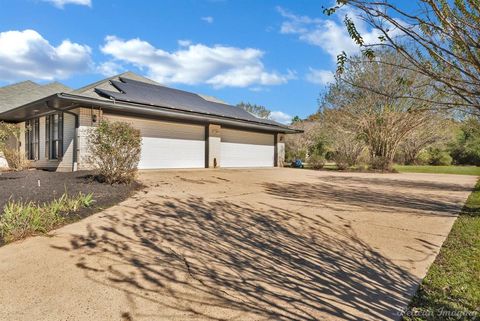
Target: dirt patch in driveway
point(42, 186)
point(240, 245)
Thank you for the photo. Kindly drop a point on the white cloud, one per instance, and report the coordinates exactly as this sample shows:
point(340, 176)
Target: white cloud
point(208, 19)
point(27, 55)
point(62, 3)
point(184, 43)
point(219, 66)
point(330, 33)
point(281, 117)
point(109, 68)
point(320, 76)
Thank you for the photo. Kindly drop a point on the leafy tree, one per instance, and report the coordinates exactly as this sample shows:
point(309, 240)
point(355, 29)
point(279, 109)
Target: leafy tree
point(439, 39)
point(466, 148)
point(365, 103)
point(256, 110)
point(296, 119)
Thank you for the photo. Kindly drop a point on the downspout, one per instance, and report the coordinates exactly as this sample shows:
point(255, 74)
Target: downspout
point(75, 136)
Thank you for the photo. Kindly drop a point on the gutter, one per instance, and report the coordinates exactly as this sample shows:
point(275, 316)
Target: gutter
point(176, 114)
point(75, 136)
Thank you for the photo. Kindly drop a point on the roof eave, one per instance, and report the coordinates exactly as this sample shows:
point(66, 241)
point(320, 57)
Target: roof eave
point(33, 109)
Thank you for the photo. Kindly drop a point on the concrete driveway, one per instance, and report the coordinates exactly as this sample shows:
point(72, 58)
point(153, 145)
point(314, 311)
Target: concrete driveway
point(273, 244)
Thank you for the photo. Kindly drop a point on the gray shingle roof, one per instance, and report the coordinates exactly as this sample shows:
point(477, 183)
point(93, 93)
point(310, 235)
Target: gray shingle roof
point(21, 93)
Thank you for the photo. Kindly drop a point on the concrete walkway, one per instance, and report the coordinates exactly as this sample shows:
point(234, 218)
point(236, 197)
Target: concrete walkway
point(273, 244)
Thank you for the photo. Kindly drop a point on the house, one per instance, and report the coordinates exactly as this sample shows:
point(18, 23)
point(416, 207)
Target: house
point(179, 129)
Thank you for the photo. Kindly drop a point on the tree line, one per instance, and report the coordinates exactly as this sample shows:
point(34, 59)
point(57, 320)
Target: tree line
point(372, 116)
point(412, 96)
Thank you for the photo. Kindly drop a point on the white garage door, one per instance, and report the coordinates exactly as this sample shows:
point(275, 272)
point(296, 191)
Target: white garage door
point(246, 149)
point(167, 144)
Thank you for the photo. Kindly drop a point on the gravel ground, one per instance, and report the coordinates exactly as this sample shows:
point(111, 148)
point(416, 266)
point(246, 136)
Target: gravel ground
point(42, 186)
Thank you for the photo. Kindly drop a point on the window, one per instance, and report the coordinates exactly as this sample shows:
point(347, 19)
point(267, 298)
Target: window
point(54, 136)
point(32, 146)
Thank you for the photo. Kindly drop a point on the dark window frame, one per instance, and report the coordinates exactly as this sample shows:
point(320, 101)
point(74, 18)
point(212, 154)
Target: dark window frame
point(54, 143)
point(32, 139)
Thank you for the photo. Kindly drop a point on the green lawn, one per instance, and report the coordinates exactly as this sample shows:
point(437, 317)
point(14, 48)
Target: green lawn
point(451, 289)
point(462, 170)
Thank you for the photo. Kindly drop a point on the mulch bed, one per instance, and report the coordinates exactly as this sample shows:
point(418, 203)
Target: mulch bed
point(42, 186)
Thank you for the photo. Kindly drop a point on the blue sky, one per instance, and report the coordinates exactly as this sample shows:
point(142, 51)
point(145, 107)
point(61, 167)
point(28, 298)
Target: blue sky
point(280, 54)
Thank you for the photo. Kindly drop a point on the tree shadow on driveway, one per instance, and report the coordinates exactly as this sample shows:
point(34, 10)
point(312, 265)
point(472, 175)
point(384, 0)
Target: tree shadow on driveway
point(219, 260)
point(371, 194)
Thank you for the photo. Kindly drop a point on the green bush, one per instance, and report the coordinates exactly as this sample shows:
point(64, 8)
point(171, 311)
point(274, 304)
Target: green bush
point(440, 157)
point(21, 219)
point(423, 158)
point(114, 149)
point(316, 161)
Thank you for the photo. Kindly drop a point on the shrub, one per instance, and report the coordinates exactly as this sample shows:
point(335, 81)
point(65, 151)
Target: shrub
point(9, 146)
point(16, 159)
point(346, 150)
point(114, 149)
point(440, 157)
point(423, 158)
point(20, 219)
point(316, 161)
point(381, 163)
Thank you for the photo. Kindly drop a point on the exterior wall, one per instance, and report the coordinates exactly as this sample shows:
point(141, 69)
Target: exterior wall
point(280, 150)
point(213, 146)
point(87, 123)
point(89, 118)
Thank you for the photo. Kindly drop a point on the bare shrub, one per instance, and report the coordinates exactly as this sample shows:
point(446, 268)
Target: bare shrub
point(316, 161)
point(16, 159)
point(114, 149)
point(346, 148)
point(9, 147)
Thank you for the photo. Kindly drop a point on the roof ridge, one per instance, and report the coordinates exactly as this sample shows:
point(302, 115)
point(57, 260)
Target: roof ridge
point(28, 81)
point(95, 84)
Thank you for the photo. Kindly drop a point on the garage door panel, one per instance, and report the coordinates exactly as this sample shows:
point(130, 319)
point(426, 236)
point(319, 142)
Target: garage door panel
point(246, 149)
point(171, 153)
point(168, 144)
point(245, 137)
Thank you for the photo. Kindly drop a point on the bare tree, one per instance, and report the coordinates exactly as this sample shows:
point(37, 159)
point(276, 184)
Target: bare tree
point(257, 110)
point(435, 131)
point(302, 144)
point(346, 148)
point(439, 39)
point(380, 116)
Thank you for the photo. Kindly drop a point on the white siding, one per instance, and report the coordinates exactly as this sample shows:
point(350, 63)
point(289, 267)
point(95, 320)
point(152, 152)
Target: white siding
point(246, 149)
point(86, 126)
point(168, 144)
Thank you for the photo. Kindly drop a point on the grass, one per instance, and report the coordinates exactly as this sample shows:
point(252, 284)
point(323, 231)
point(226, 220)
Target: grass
point(460, 170)
point(451, 289)
point(20, 219)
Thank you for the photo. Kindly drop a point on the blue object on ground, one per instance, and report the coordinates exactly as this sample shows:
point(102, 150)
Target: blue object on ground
point(297, 163)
